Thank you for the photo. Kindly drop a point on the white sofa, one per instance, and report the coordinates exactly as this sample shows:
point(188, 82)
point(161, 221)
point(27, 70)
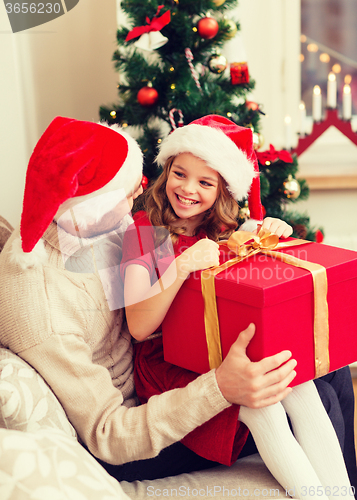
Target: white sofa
point(41, 458)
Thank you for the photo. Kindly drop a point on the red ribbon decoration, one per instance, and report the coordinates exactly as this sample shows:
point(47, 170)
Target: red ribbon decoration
point(156, 24)
point(273, 155)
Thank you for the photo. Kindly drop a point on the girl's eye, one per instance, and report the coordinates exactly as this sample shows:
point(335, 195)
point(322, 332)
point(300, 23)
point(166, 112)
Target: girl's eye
point(205, 183)
point(179, 174)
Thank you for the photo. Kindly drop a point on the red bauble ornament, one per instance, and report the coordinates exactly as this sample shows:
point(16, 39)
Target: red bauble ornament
point(147, 96)
point(252, 105)
point(207, 28)
point(144, 182)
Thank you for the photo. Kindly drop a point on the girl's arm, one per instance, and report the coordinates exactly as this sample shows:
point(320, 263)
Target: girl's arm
point(145, 304)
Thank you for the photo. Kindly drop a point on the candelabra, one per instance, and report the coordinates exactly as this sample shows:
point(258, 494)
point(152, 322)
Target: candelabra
point(319, 127)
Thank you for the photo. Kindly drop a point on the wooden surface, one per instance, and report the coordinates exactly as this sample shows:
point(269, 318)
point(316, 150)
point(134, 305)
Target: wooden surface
point(331, 182)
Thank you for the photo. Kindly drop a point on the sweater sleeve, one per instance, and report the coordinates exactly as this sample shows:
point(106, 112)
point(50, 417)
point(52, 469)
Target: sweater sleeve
point(111, 431)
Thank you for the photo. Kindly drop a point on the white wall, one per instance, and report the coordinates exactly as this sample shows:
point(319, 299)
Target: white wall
point(271, 34)
point(60, 68)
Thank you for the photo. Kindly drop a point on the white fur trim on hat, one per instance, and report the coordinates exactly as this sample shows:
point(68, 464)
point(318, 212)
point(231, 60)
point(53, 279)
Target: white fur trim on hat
point(131, 171)
point(250, 225)
point(35, 258)
point(217, 150)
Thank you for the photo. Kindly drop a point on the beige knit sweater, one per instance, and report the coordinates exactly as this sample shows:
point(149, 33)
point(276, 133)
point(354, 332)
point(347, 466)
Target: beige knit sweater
point(59, 322)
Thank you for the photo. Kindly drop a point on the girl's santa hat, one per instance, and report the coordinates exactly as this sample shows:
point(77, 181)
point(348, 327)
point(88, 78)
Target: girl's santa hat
point(72, 159)
point(225, 147)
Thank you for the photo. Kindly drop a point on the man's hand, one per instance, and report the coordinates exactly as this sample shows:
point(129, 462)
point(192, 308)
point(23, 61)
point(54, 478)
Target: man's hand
point(255, 385)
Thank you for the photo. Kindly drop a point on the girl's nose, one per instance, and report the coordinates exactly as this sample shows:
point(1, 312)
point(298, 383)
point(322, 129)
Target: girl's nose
point(189, 186)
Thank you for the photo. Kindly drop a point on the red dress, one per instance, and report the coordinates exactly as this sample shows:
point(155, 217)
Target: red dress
point(222, 438)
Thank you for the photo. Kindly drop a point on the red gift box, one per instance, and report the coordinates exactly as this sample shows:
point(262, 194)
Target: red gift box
point(239, 73)
point(279, 299)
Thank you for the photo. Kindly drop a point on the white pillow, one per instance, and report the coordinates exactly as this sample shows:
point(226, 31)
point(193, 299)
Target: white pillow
point(26, 401)
point(50, 465)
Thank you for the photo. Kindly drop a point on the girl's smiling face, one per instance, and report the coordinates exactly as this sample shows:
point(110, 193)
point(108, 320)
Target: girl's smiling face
point(191, 187)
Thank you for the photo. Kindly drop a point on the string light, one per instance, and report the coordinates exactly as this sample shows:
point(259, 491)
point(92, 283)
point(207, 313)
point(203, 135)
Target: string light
point(348, 79)
point(113, 114)
point(172, 86)
point(312, 47)
point(336, 68)
point(325, 58)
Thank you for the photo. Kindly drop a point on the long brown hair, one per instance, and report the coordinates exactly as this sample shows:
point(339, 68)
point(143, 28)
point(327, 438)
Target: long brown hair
point(219, 221)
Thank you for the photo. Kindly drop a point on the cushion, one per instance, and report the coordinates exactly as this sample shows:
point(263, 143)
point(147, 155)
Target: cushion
point(50, 465)
point(247, 478)
point(26, 401)
point(5, 231)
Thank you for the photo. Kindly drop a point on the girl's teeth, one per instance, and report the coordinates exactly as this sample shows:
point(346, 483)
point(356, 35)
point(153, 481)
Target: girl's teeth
point(186, 202)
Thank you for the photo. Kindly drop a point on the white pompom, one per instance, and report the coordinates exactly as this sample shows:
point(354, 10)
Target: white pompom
point(37, 257)
point(250, 225)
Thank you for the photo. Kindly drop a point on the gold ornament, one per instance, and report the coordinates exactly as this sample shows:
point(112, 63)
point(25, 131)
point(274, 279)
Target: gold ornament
point(217, 63)
point(291, 188)
point(244, 212)
point(218, 3)
point(232, 29)
point(258, 140)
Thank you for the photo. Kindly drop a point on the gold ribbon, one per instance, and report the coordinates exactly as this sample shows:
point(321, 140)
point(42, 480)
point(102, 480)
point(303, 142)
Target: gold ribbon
point(245, 245)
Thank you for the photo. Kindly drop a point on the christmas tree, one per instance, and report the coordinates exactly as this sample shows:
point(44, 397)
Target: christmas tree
point(173, 71)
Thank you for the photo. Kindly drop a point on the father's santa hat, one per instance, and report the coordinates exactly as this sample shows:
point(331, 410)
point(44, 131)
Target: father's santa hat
point(72, 159)
point(225, 147)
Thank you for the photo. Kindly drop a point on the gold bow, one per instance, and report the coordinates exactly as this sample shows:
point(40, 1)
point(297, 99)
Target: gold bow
point(244, 245)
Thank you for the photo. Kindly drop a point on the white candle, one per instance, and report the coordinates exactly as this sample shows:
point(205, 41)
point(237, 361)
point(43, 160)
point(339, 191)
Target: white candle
point(347, 102)
point(302, 118)
point(316, 104)
point(287, 121)
point(331, 91)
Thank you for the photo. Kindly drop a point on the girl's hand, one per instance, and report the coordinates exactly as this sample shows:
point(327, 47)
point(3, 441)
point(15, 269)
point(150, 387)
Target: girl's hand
point(203, 254)
point(277, 226)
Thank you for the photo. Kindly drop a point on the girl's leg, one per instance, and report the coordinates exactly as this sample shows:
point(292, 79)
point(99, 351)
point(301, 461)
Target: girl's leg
point(316, 435)
point(281, 452)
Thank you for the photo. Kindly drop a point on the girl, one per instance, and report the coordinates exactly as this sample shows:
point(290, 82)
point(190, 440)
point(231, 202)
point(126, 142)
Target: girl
point(207, 166)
